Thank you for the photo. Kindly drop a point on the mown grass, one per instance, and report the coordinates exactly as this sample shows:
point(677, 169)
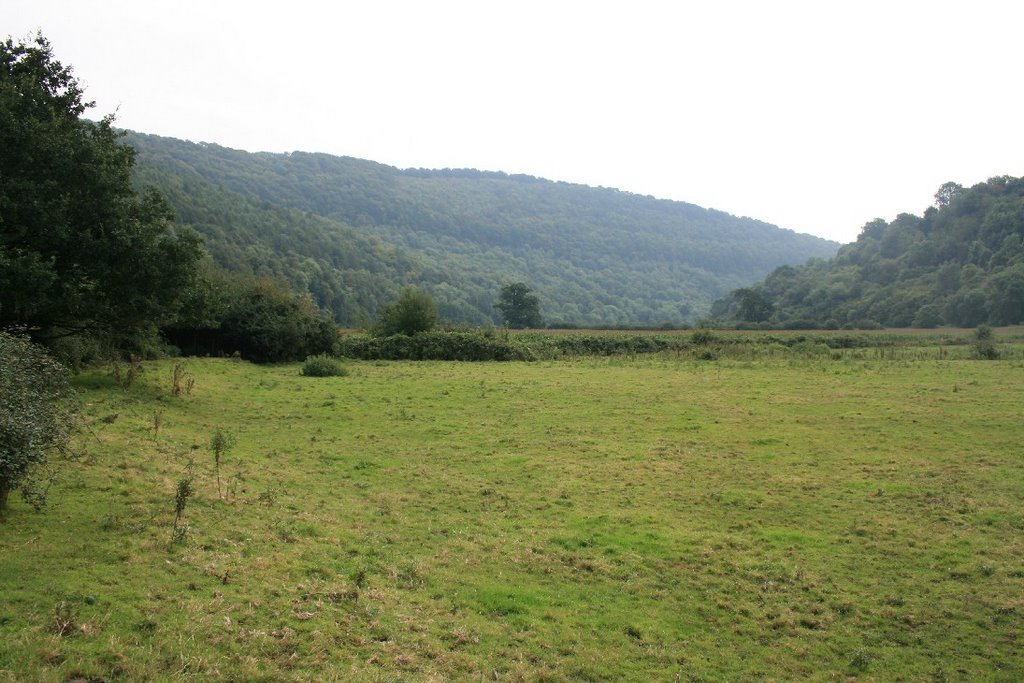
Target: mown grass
point(793, 516)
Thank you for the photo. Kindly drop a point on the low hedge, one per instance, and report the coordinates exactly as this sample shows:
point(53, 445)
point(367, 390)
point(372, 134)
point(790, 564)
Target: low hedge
point(434, 345)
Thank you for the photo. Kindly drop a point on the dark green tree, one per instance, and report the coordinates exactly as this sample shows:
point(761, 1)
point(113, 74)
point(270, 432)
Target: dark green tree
point(519, 306)
point(752, 305)
point(946, 193)
point(1006, 305)
point(81, 252)
point(413, 312)
point(259, 318)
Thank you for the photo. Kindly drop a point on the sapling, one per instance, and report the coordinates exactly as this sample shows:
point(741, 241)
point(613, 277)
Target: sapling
point(220, 443)
point(181, 497)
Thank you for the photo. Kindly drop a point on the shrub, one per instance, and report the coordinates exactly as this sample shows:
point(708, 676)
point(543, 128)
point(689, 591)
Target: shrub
point(984, 344)
point(703, 337)
point(413, 312)
point(811, 348)
point(36, 416)
point(610, 345)
point(435, 345)
point(323, 365)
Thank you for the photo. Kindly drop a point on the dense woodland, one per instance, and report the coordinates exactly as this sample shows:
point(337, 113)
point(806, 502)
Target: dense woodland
point(353, 233)
point(961, 263)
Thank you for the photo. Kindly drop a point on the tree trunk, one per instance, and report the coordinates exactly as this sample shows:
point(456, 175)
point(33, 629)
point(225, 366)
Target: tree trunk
point(4, 491)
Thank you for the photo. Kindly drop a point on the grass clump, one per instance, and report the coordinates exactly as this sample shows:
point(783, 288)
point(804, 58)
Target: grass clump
point(323, 365)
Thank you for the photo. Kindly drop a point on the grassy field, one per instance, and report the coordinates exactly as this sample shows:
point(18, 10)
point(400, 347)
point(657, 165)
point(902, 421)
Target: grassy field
point(660, 518)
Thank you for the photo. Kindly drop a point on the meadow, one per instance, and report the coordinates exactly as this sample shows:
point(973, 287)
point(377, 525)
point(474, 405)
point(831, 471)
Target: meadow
point(792, 514)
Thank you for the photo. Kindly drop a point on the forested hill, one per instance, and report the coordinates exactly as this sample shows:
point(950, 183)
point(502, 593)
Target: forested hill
point(961, 263)
point(353, 232)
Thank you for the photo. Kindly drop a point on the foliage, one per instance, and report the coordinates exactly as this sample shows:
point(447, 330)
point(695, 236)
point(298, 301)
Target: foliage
point(985, 344)
point(519, 306)
point(183, 491)
point(435, 345)
point(753, 305)
point(960, 264)
point(259, 318)
point(81, 252)
point(221, 442)
point(323, 365)
point(413, 312)
point(36, 416)
point(353, 233)
point(704, 344)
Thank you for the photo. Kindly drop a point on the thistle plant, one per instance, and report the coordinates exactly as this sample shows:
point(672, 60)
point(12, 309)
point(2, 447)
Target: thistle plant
point(220, 443)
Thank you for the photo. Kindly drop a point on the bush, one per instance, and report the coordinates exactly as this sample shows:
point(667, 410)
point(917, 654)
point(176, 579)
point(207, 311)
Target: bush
point(260, 319)
point(703, 337)
point(436, 345)
point(610, 345)
point(414, 312)
point(985, 344)
point(323, 365)
point(36, 416)
point(811, 348)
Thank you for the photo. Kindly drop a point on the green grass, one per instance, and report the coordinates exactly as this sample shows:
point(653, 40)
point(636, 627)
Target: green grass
point(597, 519)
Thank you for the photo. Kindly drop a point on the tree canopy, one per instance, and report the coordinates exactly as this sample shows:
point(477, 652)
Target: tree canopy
point(519, 306)
point(413, 312)
point(81, 251)
point(352, 233)
point(961, 263)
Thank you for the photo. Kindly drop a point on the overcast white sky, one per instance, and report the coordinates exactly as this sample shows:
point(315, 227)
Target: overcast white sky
point(817, 116)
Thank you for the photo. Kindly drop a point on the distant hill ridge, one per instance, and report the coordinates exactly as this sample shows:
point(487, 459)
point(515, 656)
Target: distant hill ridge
point(352, 233)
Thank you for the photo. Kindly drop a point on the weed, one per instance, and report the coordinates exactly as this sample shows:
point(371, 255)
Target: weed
point(125, 377)
point(861, 660)
point(110, 522)
point(182, 381)
point(64, 621)
point(221, 442)
point(181, 495)
point(323, 366)
point(359, 577)
point(267, 497)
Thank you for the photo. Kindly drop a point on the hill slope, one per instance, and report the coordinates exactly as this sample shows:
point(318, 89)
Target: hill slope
point(352, 232)
point(961, 264)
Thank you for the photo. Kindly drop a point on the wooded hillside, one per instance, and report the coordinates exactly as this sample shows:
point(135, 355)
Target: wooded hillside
point(353, 233)
point(961, 263)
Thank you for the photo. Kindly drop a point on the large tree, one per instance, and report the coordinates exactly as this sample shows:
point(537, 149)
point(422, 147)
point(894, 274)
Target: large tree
point(519, 306)
point(81, 252)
